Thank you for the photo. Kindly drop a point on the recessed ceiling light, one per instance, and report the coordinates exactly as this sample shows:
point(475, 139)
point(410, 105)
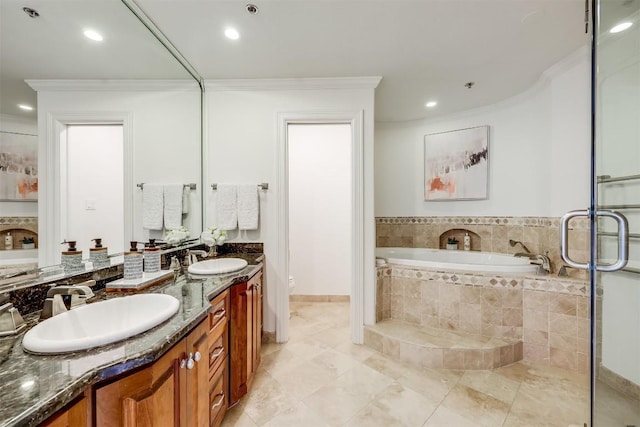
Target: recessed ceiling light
point(25, 107)
point(621, 27)
point(232, 33)
point(431, 104)
point(93, 35)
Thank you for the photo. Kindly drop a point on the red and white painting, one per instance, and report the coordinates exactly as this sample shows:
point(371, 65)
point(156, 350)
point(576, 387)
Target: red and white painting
point(456, 164)
point(18, 167)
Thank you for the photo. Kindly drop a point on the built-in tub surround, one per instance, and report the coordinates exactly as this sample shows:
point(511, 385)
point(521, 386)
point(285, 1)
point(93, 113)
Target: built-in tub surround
point(540, 234)
point(544, 318)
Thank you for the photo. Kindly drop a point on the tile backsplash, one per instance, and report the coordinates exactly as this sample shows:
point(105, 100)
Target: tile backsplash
point(541, 235)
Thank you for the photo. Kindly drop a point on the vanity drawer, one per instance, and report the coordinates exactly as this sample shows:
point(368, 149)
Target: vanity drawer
point(218, 350)
point(218, 397)
point(219, 314)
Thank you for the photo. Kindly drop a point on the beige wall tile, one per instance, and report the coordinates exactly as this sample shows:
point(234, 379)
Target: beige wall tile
point(535, 320)
point(518, 351)
point(412, 289)
point(512, 298)
point(506, 355)
point(563, 304)
point(512, 317)
point(535, 300)
point(470, 318)
point(563, 324)
point(453, 359)
point(412, 311)
point(535, 353)
point(584, 308)
point(563, 342)
point(474, 359)
point(536, 338)
point(471, 294)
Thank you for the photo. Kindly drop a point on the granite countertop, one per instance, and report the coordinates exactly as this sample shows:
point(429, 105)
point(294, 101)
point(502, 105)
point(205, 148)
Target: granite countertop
point(33, 387)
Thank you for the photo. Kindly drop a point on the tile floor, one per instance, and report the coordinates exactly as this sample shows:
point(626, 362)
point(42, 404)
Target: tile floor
point(319, 378)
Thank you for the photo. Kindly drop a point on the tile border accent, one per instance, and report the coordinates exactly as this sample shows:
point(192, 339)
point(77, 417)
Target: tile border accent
point(529, 221)
point(536, 283)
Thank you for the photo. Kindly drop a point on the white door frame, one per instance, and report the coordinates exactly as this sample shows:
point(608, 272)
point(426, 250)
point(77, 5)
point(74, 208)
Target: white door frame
point(49, 203)
point(356, 120)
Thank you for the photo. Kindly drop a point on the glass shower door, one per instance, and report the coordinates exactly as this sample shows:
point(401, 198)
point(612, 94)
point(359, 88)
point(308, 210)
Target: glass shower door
point(616, 318)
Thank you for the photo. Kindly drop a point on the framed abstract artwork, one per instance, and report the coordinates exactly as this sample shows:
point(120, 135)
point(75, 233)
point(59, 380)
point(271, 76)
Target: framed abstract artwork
point(456, 165)
point(18, 167)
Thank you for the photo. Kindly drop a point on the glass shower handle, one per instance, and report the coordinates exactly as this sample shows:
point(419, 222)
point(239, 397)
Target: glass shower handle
point(564, 238)
point(623, 240)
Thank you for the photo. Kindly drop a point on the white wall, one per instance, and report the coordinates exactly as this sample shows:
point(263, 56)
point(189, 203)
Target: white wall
point(17, 124)
point(94, 176)
point(539, 150)
point(165, 132)
point(242, 147)
point(320, 208)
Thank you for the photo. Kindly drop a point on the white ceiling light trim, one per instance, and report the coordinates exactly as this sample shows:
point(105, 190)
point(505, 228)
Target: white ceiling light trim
point(231, 33)
point(93, 35)
point(621, 27)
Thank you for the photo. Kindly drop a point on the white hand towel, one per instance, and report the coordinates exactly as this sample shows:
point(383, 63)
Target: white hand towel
point(152, 206)
point(248, 207)
point(172, 206)
point(185, 200)
point(227, 207)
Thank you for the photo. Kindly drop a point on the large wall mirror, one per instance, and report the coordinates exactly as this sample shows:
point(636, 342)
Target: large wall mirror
point(94, 111)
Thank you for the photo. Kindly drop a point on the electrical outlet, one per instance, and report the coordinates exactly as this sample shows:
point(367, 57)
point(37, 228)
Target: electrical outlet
point(90, 205)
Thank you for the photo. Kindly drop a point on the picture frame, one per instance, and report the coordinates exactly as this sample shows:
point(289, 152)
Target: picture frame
point(18, 167)
point(456, 165)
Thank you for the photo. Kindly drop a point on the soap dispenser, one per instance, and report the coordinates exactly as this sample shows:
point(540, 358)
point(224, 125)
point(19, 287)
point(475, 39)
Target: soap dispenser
point(133, 262)
point(99, 255)
point(467, 242)
point(71, 258)
point(8, 241)
point(151, 257)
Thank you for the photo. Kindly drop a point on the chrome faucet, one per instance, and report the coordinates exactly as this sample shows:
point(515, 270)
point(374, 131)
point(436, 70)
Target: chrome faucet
point(512, 243)
point(192, 256)
point(542, 261)
point(54, 304)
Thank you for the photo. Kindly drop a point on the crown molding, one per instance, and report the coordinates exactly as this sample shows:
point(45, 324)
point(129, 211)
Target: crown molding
point(113, 85)
point(322, 83)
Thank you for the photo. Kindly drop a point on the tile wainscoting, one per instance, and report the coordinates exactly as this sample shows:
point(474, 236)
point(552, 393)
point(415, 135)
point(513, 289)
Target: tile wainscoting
point(548, 315)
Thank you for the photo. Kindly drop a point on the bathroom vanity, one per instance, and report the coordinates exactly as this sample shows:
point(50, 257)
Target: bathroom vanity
point(182, 372)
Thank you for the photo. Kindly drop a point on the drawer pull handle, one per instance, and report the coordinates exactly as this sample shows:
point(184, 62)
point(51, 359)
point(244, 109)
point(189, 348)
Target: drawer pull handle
point(219, 402)
point(218, 352)
point(220, 313)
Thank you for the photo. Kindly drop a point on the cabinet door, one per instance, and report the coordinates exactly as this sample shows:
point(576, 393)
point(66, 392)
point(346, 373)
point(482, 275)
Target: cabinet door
point(149, 397)
point(197, 372)
point(74, 414)
point(239, 337)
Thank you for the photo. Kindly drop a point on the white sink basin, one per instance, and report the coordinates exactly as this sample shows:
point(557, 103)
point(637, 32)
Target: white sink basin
point(100, 323)
point(218, 266)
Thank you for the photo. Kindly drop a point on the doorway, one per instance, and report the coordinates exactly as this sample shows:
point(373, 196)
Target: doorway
point(92, 186)
point(320, 211)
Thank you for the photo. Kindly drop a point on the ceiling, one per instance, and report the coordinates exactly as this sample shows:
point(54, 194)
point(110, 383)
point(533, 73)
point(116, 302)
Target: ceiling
point(423, 49)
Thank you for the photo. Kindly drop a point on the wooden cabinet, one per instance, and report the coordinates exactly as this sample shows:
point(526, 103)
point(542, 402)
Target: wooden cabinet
point(173, 391)
point(72, 415)
point(245, 335)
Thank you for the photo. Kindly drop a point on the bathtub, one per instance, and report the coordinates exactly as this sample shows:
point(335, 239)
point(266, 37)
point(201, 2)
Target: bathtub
point(462, 261)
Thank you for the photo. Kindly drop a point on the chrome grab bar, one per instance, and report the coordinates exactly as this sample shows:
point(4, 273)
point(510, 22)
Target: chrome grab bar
point(623, 240)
